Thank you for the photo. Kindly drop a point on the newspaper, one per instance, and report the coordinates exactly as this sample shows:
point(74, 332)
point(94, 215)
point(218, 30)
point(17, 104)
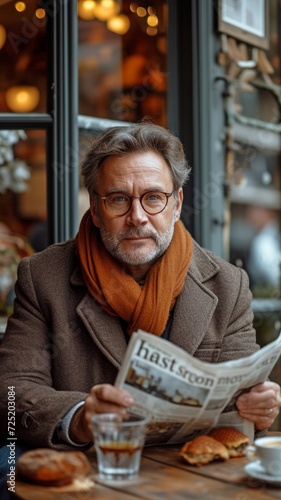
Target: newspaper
point(184, 396)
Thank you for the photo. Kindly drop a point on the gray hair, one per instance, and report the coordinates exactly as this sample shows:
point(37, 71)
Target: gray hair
point(119, 141)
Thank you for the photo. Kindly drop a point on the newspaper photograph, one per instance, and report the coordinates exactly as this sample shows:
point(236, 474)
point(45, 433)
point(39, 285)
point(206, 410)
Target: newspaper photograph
point(184, 396)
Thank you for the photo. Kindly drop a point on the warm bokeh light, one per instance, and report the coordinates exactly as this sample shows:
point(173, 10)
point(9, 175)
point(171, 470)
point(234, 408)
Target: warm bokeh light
point(152, 20)
point(20, 6)
point(3, 36)
point(119, 24)
point(106, 9)
point(86, 9)
point(40, 13)
point(133, 7)
point(150, 10)
point(151, 31)
point(22, 98)
point(141, 11)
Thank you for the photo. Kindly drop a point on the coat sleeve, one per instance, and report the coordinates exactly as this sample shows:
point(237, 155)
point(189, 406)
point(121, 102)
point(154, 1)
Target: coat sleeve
point(26, 357)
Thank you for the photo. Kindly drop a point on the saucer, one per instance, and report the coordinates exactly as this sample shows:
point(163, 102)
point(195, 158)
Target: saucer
point(255, 469)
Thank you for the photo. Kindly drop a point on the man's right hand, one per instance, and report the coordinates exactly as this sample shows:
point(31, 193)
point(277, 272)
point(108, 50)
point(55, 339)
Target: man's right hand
point(103, 398)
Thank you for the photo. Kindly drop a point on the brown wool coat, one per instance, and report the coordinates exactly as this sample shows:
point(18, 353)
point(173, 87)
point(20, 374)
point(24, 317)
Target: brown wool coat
point(59, 342)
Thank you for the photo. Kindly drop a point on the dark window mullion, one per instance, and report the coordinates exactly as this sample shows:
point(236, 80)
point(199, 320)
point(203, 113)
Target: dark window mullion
point(62, 151)
point(15, 121)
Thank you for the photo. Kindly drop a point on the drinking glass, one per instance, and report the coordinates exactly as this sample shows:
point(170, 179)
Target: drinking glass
point(118, 444)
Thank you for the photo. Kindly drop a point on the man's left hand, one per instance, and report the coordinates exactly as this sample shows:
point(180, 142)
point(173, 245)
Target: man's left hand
point(260, 405)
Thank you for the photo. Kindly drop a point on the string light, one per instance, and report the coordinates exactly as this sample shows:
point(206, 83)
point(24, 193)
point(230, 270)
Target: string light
point(106, 9)
point(119, 24)
point(86, 9)
point(22, 98)
point(152, 20)
point(20, 6)
point(40, 13)
point(151, 31)
point(3, 36)
point(141, 12)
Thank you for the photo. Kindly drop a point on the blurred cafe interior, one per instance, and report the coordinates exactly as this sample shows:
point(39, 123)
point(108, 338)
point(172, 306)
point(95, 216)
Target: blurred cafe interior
point(209, 70)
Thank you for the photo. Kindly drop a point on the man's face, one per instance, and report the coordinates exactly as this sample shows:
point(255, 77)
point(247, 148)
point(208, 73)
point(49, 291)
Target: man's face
point(136, 238)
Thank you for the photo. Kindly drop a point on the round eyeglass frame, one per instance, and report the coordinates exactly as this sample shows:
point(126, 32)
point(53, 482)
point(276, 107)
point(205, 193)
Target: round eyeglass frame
point(103, 198)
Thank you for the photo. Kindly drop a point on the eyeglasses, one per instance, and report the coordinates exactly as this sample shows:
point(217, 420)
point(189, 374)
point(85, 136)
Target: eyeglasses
point(118, 204)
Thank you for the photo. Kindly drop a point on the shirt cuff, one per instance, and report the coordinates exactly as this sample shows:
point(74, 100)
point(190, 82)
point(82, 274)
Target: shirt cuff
point(64, 426)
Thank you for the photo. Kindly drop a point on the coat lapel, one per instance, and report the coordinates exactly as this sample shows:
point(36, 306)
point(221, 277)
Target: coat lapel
point(196, 304)
point(105, 330)
point(192, 316)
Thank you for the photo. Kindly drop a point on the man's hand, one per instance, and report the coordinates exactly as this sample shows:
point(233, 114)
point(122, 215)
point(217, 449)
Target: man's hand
point(261, 405)
point(104, 398)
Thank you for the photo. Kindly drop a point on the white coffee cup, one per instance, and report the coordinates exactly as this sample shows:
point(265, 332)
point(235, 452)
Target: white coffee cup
point(268, 451)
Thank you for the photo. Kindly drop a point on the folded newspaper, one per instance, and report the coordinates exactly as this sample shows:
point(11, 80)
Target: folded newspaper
point(184, 396)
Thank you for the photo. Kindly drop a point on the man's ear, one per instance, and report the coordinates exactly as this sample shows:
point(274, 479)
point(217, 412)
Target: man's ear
point(178, 205)
point(94, 214)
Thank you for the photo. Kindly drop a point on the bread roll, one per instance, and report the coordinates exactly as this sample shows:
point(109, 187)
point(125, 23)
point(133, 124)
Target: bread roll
point(232, 439)
point(203, 450)
point(52, 468)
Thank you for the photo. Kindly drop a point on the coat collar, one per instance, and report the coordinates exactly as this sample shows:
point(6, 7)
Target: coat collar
point(192, 315)
point(202, 266)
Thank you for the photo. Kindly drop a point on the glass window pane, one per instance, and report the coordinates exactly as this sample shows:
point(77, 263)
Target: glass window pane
point(255, 220)
point(23, 199)
point(259, 104)
point(123, 76)
point(23, 204)
point(22, 57)
point(255, 179)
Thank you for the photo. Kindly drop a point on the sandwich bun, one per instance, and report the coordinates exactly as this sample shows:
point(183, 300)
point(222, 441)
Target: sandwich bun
point(203, 450)
point(232, 439)
point(49, 467)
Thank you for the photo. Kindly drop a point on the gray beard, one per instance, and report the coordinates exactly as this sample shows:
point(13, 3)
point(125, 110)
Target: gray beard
point(111, 244)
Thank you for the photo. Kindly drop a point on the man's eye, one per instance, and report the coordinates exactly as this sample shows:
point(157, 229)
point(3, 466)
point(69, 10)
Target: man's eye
point(154, 197)
point(118, 199)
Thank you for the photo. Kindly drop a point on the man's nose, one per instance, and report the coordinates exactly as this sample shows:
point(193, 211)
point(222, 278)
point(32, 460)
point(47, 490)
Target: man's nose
point(136, 215)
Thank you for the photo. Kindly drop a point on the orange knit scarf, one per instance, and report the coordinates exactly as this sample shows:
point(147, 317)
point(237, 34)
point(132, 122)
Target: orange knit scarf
point(146, 307)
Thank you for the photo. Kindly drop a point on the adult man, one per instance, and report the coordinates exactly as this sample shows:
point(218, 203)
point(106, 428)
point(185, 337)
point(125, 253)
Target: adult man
point(132, 265)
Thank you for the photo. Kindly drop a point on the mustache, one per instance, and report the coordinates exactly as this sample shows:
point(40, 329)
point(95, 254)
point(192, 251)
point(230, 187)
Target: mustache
point(137, 232)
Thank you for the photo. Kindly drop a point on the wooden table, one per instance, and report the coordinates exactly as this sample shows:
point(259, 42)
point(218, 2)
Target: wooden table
point(165, 476)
